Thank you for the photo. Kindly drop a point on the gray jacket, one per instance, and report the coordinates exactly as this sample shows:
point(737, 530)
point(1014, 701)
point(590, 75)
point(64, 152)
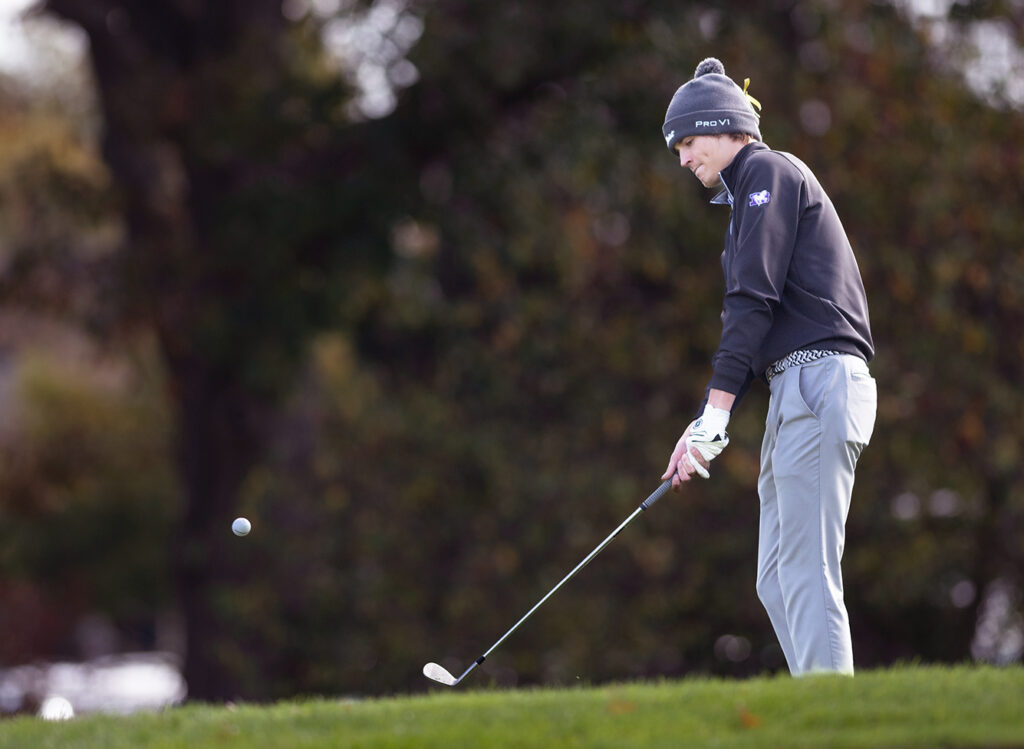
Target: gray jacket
point(791, 279)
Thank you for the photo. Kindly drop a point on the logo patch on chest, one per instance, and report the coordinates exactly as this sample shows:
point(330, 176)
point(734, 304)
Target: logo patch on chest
point(760, 198)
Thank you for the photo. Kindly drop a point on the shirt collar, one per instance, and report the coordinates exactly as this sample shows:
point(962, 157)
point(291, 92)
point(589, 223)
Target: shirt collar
point(728, 174)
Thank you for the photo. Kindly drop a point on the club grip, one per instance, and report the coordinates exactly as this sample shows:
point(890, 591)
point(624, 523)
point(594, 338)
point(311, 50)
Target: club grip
point(656, 494)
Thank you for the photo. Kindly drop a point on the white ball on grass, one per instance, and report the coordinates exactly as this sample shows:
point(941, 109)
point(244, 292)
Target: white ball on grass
point(241, 527)
point(56, 708)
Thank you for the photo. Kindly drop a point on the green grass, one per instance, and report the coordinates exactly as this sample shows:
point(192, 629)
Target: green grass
point(899, 707)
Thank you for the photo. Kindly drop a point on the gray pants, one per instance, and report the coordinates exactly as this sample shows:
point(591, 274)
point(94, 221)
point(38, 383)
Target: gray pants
point(820, 417)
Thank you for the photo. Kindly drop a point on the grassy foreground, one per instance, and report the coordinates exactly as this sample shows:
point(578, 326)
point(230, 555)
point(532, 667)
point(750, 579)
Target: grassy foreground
point(900, 707)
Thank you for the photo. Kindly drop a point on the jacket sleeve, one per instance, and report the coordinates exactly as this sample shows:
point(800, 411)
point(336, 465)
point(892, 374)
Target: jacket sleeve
point(739, 394)
point(767, 204)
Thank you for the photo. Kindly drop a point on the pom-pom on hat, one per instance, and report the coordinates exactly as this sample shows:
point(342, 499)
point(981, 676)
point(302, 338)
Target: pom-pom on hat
point(710, 104)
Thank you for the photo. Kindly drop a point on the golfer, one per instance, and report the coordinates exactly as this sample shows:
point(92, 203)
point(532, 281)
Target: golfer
point(794, 316)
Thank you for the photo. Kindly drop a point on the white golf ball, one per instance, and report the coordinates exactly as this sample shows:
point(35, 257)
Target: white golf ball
point(56, 708)
point(241, 527)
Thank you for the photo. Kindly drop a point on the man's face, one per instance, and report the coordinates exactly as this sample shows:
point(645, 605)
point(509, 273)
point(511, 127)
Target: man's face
point(706, 156)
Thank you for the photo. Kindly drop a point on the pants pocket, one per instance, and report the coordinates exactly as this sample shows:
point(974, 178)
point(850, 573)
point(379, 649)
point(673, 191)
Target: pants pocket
point(861, 404)
point(814, 381)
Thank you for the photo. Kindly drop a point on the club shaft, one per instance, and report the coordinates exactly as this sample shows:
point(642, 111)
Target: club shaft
point(655, 496)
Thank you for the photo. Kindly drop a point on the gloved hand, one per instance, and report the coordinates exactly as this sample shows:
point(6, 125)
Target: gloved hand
point(708, 436)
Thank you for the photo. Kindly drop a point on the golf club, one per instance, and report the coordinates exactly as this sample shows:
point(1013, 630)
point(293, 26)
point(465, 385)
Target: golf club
point(443, 676)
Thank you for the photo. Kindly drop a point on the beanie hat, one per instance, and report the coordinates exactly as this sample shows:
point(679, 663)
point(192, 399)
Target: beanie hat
point(710, 104)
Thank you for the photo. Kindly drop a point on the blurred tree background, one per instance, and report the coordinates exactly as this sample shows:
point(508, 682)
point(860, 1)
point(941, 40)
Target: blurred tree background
point(415, 285)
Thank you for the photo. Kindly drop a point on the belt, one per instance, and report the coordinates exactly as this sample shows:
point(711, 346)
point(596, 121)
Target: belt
point(801, 356)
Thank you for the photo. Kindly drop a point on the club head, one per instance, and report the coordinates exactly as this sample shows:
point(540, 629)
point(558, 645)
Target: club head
point(439, 674)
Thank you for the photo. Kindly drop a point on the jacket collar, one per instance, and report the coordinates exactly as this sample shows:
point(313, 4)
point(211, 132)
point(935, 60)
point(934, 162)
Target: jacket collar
point(728, 175)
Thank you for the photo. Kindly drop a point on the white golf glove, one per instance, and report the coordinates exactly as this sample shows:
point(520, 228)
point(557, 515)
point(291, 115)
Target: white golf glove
point(708, 435)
